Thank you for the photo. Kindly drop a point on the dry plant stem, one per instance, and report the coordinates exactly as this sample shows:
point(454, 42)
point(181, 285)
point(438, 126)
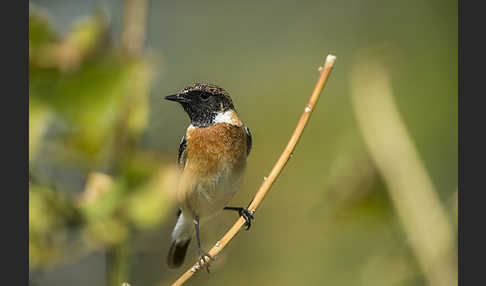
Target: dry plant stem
point(134, 26)
point(412, 192)
point(277, 168)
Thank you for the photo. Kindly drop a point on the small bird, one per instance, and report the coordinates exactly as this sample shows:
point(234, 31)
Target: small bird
point(212, 155)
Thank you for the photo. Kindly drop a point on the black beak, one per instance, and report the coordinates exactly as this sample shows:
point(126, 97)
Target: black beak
point(173, 97)
point(176, 98)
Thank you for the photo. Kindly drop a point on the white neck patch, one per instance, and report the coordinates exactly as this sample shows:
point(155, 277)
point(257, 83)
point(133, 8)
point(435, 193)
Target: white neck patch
point(229, 117)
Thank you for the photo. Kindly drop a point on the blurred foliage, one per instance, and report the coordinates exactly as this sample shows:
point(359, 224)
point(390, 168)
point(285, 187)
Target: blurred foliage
point(88, 83)
point(88, 104)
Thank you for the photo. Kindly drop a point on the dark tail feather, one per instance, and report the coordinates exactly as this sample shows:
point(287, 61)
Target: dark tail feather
point(177, 253)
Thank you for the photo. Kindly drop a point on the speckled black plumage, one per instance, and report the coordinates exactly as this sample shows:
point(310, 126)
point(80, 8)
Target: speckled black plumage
point(202, 101)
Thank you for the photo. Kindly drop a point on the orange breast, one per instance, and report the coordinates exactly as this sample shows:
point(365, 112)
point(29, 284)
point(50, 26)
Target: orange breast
point(219, 146)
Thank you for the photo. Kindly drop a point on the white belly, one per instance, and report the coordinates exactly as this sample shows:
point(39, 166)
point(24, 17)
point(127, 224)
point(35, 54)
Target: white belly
point(209, 196)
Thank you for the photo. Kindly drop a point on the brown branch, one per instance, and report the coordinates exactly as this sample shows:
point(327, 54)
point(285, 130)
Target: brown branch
point(277, 168)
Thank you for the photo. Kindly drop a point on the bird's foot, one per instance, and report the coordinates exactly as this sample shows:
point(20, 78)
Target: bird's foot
point(204, 259)
point(245, 213)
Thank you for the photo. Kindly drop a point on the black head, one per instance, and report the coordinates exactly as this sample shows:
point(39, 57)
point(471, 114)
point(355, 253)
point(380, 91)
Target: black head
point(202, 102)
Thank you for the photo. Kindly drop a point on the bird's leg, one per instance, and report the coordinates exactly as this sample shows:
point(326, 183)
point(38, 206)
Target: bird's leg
point(243, 212)
point(204, 257)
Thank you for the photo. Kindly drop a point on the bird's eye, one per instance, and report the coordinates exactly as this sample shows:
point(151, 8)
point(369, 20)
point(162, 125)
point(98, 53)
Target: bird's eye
point(205, 95)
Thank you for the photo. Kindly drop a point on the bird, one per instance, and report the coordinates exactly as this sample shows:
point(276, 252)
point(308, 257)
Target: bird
point(212, 156)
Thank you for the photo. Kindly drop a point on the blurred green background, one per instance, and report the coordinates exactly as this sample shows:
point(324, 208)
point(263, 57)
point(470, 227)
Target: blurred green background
point(103, 144)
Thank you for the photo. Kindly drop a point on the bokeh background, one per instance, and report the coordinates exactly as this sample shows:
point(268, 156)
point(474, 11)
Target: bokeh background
point(369, 197)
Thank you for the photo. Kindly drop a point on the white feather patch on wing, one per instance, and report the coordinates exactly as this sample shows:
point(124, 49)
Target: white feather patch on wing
point(183, 229)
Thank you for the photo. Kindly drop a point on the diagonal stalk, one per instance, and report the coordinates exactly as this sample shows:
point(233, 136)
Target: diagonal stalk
point(277, 168)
